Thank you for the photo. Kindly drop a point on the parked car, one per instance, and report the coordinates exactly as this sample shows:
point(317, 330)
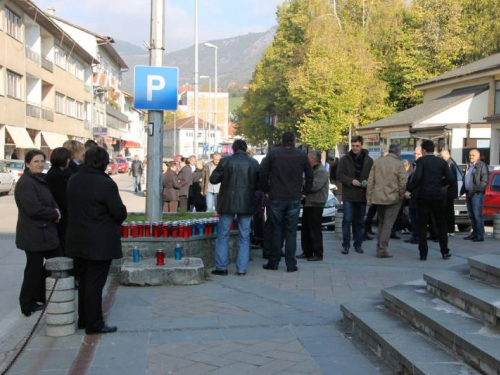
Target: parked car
point(7, 183)
point(112, 167)
point(328, 218)
point(491, 205)
point(15, 167)
point(122, 164)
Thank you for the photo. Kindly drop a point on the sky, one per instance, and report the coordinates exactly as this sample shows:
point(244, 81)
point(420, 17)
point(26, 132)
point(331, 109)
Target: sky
point(129, 19)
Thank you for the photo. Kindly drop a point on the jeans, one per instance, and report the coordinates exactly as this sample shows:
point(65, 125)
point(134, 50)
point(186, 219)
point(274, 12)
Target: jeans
point(354, 213)
point(222, 243)
point(475, 209)
point(137, 183)
point(211, 199)
point(284, 219)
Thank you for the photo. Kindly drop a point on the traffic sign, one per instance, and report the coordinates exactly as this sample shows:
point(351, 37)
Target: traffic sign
point(155, 88)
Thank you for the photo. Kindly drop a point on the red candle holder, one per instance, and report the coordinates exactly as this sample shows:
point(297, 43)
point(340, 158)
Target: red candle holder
point(125, 229)
point(156, 230)
point(175, 230)
point(160, 258)
point(147, 229)
point(133, 230)
point(165, 230)
point(140, 229)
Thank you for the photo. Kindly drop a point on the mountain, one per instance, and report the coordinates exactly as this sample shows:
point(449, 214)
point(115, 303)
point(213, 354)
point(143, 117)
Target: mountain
point(237, 57)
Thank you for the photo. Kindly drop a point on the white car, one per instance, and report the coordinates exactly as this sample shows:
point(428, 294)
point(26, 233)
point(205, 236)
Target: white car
point(15, 167)
point(328, 218)
point(7, 183)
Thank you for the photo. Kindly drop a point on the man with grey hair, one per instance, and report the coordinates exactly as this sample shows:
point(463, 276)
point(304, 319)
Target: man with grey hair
point(386, 188)
point(311, 235)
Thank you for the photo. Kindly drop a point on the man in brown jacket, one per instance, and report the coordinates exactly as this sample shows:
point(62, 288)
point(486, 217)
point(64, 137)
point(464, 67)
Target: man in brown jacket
point(386, 188)
point(353, 171)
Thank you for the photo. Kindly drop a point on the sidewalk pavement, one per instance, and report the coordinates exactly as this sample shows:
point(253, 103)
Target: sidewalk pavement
point(268, 322)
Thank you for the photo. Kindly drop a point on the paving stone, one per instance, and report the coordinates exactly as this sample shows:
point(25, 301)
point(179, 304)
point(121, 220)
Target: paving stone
point(247, 358)
point(272, 367)
point(237, 368)
point(196, 369)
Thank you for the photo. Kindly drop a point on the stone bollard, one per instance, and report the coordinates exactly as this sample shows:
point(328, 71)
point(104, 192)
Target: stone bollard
point(496, 227)
point(61, 308)
point(339, 217)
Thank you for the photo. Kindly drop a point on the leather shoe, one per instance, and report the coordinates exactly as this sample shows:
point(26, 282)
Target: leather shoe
point(395, 236)
point(359, 250)
point(315, 259)
point(367, 237)
point(35, 309)
point(270, 267)
point(105, 329)
point(240, 273)
point(470, 237)
point(384, 255)
point(423, 257)
point(345, 251)
point(219, 272)
point(478, 239)
point(302, 256)
point(292, 269)
point(446, 255)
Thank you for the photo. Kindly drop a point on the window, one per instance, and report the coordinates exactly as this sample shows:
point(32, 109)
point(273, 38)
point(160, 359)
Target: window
point(59, 103)
point(71, 65)
point(13, 24)
point(495, 183)
point(497, 97)
point(80, 74)
point(60, 58)
point(14, 85)
point(79, 110)
point(70, 107)
point(2, 81)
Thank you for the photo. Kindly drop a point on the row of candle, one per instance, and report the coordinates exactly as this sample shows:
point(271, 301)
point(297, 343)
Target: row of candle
point(176, 229)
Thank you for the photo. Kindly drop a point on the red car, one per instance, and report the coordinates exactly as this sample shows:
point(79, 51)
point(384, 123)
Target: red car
point(491, 205)
point(122, 165)
point(112, 167)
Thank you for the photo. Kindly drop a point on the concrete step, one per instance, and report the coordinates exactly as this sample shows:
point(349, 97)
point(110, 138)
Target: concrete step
point(403, 348)
point(475, 342)
point(475, 297)
point(486, 267)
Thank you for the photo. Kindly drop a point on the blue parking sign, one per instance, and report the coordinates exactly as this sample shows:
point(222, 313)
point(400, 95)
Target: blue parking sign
point(156, 88)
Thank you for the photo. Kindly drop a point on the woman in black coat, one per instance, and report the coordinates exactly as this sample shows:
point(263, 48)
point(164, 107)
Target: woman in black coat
point(198, 200)
point(93, 238)
point(57, 178)
point(36, 231)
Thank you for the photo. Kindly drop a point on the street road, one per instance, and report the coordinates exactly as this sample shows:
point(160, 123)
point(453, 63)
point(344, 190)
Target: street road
point(13, 325)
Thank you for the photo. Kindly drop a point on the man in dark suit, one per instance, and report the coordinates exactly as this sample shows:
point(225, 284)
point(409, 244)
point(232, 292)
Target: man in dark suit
point(430, 176)
point(450, 194)
point(186, 179)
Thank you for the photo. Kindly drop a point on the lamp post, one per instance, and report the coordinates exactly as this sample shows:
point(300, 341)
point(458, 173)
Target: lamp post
point(209, 110)
point(196, 88)
point(210, 45)
point(175, 135)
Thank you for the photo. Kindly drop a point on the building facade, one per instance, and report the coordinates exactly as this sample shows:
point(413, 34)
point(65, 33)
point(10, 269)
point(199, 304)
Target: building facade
point(45, 82)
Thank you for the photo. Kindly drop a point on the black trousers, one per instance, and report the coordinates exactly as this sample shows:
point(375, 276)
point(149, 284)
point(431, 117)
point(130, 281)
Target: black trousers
point(426, 208)
point(183, 203)
point(33, 288)
point(311, 233)
point(93, 275)
point(450, 215)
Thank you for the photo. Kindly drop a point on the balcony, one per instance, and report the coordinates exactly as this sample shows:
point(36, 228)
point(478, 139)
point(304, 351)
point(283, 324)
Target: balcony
point(47, 64)
point(32, 55)
point(34, 110)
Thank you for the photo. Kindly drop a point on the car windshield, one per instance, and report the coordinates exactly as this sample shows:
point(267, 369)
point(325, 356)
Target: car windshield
point(14, 165)
point(121, 161)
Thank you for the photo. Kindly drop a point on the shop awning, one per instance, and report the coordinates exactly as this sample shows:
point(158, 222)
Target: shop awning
point(54, 140)
point(20, 137)
point(131, 144)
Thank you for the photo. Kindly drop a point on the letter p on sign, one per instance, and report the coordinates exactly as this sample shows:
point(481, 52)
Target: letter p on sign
point(156, 88)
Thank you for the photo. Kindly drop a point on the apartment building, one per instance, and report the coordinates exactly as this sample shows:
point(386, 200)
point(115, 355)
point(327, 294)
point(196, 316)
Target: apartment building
point(45, 82)
point(116, 122)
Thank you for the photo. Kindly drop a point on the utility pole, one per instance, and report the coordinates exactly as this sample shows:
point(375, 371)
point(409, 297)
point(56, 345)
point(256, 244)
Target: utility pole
point(196, 83)
point(154, 204)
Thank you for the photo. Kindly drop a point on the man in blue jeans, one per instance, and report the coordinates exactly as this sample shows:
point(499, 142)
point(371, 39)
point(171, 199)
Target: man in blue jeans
point(353, 171)
point(282, 182)
point(239, 176)
point(476, 181)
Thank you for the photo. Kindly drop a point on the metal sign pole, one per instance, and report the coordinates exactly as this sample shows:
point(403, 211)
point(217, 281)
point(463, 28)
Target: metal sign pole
point(154, 202)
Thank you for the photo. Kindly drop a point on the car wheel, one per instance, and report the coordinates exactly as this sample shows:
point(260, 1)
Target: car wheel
point(464, 227)
point(12, 188)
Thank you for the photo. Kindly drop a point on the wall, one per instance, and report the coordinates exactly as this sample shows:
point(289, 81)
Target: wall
point(472, 110)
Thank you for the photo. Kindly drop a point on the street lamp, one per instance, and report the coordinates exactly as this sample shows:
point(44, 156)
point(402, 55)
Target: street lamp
point(196, 73)
point(209, 109)
point(210, 45)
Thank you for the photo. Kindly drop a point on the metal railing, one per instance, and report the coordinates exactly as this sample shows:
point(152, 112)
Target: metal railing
point(32, 55)
point(34, 110)
point(47, 64)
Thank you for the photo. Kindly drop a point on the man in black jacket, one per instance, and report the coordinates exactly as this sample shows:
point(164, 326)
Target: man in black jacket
point(95, 213)
point(476, 180)
point(186, 179)
point(282, 181)
point(239, 176)
point(430, 176)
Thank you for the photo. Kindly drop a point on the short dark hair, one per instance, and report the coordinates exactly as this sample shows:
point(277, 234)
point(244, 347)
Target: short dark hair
point(60, 157)
point(240, 144)
point(287, 137)
point(31, 154)
point(357, 138)
point(96, 158)
point(428, 145)
point(171, 165)
point(90, 143)
point(184, 160)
